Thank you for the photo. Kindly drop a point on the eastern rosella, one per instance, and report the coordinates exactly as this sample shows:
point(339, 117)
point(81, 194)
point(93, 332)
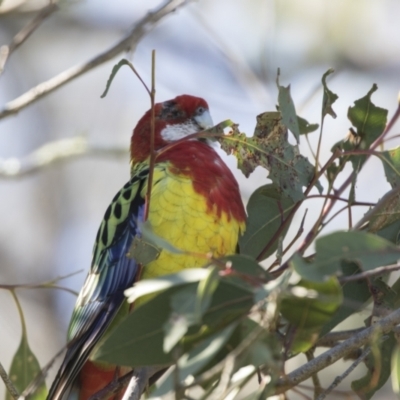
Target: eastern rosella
point(195, 205)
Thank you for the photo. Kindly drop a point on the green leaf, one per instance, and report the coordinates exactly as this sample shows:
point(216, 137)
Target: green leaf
point(143, 252)
point(329, 97)
point(248, 266)
point(332, 171)
point(24, 369)
point(112, 75)
point(305, 127)
point(396, 370)
point(368, 250)
point(269, 148)
point(139, 339)
point(385, 213)
point(266, 350)
point(181, 318)
point(391, 232)
point(195, 359)
point(369, 120)
point(148, 286)
point(279, 284)
point(288, 111)
point(230, 301)
point(378, 362)
point(266, 208)
point(205, 291)
point(308, 306)
point(188, 306)
point(391, 165)
point(355, 294)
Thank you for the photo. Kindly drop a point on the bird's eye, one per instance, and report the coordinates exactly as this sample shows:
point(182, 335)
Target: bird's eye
point(200, 110)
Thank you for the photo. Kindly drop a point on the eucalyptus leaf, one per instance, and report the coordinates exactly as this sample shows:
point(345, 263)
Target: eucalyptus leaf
point(24, 369)
point(329, 97)
point(266, 208)
point(368, 250)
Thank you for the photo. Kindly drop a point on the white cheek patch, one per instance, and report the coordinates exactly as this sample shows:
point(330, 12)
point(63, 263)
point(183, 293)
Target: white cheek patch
point(178, 131)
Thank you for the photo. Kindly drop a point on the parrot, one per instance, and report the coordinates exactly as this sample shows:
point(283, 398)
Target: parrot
point(195, 205)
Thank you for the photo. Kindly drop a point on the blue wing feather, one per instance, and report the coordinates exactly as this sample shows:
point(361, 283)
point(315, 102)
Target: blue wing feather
point(103, 292)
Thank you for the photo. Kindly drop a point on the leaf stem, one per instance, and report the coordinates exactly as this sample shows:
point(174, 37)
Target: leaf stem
point(20, 312)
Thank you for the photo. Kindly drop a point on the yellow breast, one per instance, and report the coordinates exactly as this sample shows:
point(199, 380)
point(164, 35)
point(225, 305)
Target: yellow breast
point(180, 215)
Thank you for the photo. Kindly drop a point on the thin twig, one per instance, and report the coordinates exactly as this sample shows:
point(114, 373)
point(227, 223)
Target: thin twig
point(241, 69)
point(368, 274)
point(340, 378)
point(24, 33)
point(55, 152)
point(293, 241)
point(9, 385)
point(314, 377)
point(128, 42)
point(302, 373)
point(44, 285)
point(330, 204)
point(332, 196)
point(297, 205)
point(37, 285)
point(331, 338)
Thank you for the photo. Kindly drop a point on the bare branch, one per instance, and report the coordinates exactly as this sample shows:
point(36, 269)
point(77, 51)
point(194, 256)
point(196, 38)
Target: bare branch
point(128, 42)
point(44, 285)
point(340, 378)
point(368, 274)
point(53, 152)
point(302, 373)
point(314, 377)
point(331, 338)
point(24, 33)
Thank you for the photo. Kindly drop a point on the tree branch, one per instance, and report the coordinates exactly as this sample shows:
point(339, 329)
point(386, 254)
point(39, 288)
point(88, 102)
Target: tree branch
point(129, 42)
point(331, 338)
point(368, 274)
point(340, 378)
point(302, 373)
point(24, 33)
point(53, 152)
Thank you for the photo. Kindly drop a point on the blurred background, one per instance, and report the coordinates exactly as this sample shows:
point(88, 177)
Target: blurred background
point(225, 51)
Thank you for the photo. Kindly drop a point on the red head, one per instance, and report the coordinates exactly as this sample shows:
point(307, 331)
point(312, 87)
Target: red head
point(174, 119)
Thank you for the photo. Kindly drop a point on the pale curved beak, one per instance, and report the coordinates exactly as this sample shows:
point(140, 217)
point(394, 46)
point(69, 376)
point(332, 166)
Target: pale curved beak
point(204, 120)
